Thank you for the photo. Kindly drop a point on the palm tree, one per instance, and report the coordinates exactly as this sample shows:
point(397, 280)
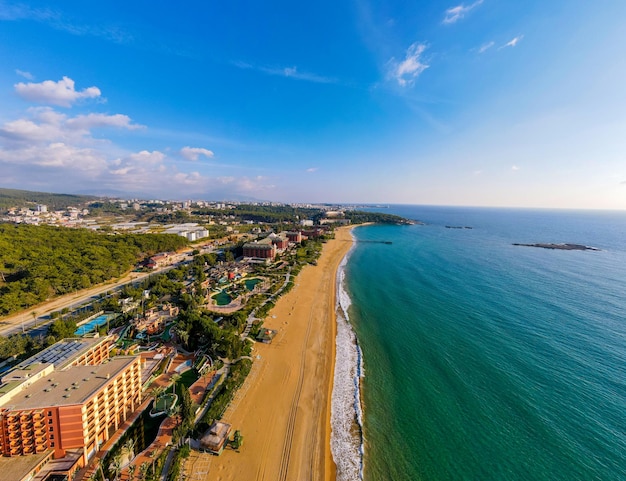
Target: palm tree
point(175, 378)
point(129, 447)
point(101, 470)
point(143, 470)
point(175, 411)
point(131, 471)
point(116, 465)
point(157, 392)
point(183, 336)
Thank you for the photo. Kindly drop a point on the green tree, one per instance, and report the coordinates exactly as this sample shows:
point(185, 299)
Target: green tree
point(62, 328)
point(116, 466)
point(174, 378)
point(237, 440)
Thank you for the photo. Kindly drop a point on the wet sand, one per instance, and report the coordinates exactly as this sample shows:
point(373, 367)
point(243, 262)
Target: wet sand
point(283, 408)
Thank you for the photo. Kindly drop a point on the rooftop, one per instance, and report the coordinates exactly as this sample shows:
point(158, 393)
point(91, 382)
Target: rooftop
point(17, 467)
point(62, 353)
point(216, 436)
point(72, 386)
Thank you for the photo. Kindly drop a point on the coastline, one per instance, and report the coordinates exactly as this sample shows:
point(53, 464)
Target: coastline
point(347, 439)
point(283, 410)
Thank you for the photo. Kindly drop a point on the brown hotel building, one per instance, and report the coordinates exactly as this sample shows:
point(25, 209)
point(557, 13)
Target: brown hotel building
point(264, 249)
point(67, 406)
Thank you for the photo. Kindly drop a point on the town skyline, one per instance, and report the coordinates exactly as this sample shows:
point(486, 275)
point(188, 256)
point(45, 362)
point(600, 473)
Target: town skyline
point(480, 103)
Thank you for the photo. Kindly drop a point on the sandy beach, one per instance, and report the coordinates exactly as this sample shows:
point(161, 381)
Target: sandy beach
point(283, 409)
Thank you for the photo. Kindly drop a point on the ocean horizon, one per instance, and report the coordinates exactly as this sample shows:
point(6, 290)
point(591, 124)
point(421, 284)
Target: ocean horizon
point(462, 356)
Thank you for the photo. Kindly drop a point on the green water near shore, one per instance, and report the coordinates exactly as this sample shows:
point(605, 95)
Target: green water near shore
point(487, 361)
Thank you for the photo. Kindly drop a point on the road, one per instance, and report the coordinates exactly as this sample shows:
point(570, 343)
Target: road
point(40, 314)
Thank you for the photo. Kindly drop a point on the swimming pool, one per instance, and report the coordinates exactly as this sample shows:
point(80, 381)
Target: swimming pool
point(222, 298)
point(251, 283)
point(93, 324)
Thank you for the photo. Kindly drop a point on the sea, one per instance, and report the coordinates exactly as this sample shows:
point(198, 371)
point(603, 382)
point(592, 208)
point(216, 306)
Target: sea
point(461, 356)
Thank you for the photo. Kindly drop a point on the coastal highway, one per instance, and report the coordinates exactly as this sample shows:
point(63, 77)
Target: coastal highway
point(40, 314)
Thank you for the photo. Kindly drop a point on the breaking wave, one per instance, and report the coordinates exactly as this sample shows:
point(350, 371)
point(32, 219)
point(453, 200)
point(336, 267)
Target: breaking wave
point(346, 439)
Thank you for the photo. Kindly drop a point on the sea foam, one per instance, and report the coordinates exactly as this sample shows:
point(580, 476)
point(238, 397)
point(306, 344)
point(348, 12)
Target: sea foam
point(346, 414)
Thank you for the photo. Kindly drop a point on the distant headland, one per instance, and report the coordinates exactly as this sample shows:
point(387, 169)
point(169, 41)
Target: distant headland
point(562, 247)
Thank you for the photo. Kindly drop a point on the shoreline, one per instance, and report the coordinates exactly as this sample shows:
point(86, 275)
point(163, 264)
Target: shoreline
point(283, 410)
point(347, 441)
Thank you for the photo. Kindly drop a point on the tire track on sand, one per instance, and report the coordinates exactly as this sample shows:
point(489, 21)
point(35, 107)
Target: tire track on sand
point(291, 420)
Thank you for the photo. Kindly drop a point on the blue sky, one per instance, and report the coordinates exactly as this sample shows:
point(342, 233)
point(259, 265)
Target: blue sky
point(489, 102)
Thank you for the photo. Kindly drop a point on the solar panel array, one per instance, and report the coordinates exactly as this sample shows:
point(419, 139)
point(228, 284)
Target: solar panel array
point(58, 353)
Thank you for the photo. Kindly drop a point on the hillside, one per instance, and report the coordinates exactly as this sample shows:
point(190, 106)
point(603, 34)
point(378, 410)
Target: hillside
point(25, 198)
point(41, 262)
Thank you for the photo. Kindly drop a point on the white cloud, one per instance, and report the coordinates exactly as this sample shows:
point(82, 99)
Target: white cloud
point(515, 168)
point(292, 72)
point(26, 75)
point(513, 42)
point(193, 153)
point(55, 154)
point(485, 46)
point(61, 93)
point(45, 124)
point(27, 130)
point(91, 121)
point(49, 139)
point(48, 149)
point(137, 167)
point(146, 157)
point(190, 178)
point(287, 72)
point(454, 14)
point(311, 169)
point(55, 19)
point(411, 67)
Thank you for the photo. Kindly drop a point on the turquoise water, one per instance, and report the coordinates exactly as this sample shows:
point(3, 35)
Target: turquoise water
point(93, 324)
point(487, 361)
